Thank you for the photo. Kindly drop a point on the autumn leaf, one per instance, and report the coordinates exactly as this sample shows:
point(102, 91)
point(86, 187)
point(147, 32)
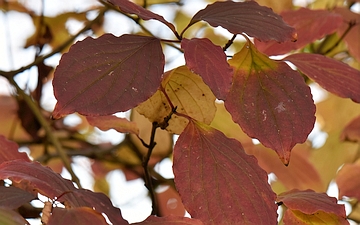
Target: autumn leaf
point(107, 75)
point(129, 7)
point(352, 131)
point(270, 101)
point(97, 201)
point(301, 172)
point(310, 25)
point(81, 215)
point(169, 220)
point(352, 37)
point(209, 61)
point(334, 76)
point(121, 125)
point(246, 17)
point(306, 207)
point(9, 151)
point(13, 197)
point(347, 180)
point(35, 178)
point(188, 93)
point(218, 182)
point(10, 217)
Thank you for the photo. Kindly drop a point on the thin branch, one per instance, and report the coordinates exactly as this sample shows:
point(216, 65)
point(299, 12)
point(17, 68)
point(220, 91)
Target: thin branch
point(49, 132)
point(230, 42)
point(10, 74)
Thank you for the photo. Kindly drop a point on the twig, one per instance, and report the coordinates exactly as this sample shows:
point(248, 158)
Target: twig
point(49, 133)
point(230, 42)
point(145, 164)
point(9, 74)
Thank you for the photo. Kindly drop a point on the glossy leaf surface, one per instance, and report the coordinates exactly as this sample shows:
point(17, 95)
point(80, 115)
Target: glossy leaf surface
point(209, 61)
point(218, 182)
point(185, 90)
point(306, 207)
point(78, 216)
point(334, 76)
point(246, 17)
point(13, 197)
point(310, 25)
point(169, 220)
point(129, 7)
point(107, 75)
point(121, 125)
point(9, 151)
point(270, 101)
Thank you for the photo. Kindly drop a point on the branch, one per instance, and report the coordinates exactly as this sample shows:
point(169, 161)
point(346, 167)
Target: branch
point(49, 133)
point(10, 74)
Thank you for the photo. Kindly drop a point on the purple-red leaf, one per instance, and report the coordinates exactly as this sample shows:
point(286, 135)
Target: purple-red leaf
point(35, 178)
point(218, 182)
point(310, 25)
point(209, 61)
point(98, 201)
point(246, 17)
point(9, 151)
point(270, 101)
point(352, 131)
point(305, 207)
point(334, 76)
point(169, 220)
point(13, 197)
point(121, 125)
point(130, 7)
point(107, 75)
point(78, 216)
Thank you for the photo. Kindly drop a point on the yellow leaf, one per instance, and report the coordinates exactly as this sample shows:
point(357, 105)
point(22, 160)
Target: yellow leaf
point(188, 93)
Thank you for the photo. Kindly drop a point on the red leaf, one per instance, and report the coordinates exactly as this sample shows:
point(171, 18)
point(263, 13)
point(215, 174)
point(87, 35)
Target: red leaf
point(129, 7)
point(98, 201)
point(78, 216)
point(246, 17)
point(352, 37)
point(270, 101)
point(310, 202)
point(334, 76)
point(209, 61)
point(13, 197)
point(107, 75)
point(35, 178)
point(218, 182)
point(300, 173)
point(307, 207)
point(310, 25)
point(10, 217)
point(348, 182)
point(9, 151)
point(352, 131)
point(169, 220)
point(121, 125)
